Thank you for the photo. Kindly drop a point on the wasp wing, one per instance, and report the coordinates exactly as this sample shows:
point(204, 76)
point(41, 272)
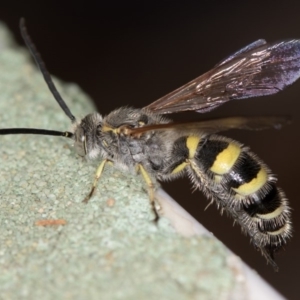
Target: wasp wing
point(256, 70)
point(216, 125)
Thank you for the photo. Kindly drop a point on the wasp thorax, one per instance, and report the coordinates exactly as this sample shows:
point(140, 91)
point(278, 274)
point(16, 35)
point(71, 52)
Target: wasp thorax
point(87, 135)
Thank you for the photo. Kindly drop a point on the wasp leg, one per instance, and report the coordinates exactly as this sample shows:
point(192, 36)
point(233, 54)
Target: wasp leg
point(97, 176)
point(151, 187)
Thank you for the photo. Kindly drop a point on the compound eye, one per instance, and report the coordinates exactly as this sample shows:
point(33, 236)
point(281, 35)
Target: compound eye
point(80, 142)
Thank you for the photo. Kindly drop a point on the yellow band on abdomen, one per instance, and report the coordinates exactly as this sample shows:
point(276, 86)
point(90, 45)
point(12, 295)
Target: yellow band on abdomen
point(192, 143)
point(254, 185)
point(226, 159)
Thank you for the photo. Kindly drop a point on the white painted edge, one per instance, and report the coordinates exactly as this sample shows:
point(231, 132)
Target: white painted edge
point(254, 286)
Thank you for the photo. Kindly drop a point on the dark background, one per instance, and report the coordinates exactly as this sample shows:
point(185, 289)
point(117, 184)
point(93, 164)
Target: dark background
point(131, 53)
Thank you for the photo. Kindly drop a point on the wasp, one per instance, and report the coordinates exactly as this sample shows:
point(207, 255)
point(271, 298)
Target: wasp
point(142, 140)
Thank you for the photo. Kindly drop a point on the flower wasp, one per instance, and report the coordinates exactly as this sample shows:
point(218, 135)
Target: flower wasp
point(228, 173)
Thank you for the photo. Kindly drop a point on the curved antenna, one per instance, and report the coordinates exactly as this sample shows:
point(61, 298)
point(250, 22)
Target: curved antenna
point(66, 134)
point(38, 59)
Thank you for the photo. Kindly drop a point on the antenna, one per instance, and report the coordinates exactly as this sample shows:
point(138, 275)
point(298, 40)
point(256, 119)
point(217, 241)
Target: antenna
point(52, 88)
point(38, 59)
point(66, 134)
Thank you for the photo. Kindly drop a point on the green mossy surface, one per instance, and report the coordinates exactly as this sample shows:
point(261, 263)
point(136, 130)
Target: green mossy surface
point(109, 248)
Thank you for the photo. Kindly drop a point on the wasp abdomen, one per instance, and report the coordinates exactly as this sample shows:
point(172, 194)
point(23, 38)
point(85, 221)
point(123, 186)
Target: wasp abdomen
point(239, 182)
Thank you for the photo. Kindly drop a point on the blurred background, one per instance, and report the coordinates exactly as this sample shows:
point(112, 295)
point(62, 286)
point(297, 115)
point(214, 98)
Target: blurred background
point(133, 52)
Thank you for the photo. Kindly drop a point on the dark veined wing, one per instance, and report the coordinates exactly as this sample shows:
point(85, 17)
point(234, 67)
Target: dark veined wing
point(216, 125)
point(256, 70)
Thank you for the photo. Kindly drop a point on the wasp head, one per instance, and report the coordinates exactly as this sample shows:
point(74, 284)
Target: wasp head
point(87, 139)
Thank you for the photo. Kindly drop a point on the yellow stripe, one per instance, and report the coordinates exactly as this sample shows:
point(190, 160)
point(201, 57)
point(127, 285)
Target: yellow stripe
point(106, 128)
point(192, 143)
point(179, 168)
point(272, 214)
point(280, 230)
point(254, 185)
point(226, 159)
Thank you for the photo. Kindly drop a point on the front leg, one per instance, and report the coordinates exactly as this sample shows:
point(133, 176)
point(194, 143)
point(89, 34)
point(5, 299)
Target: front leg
point(97, 176)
